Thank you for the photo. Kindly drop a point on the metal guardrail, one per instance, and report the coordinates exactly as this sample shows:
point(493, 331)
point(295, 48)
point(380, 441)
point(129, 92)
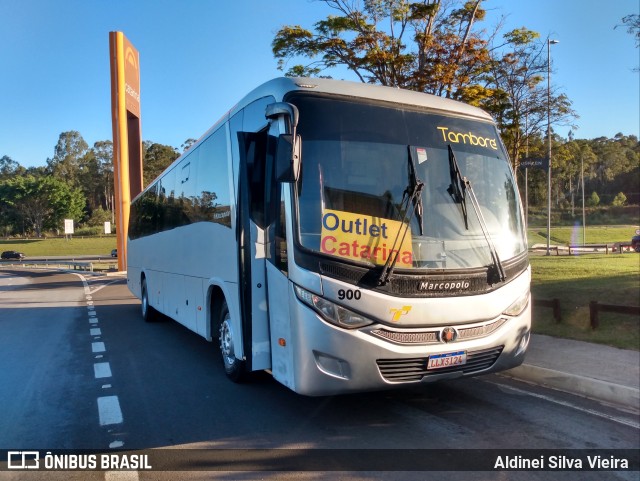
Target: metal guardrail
point(71, 265)
point(615, 247)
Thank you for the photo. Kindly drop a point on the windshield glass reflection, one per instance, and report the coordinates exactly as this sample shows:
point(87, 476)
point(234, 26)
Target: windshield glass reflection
point(360, 165)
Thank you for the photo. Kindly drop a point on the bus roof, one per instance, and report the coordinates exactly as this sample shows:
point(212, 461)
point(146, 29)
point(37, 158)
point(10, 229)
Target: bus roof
point(279, 87)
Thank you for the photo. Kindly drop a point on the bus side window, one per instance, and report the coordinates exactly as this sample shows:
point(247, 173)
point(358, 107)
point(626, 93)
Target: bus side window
point(253, 153)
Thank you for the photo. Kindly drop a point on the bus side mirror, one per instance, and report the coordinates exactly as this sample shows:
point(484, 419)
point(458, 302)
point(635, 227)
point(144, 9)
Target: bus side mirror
point(288, 158)
point(288, 149)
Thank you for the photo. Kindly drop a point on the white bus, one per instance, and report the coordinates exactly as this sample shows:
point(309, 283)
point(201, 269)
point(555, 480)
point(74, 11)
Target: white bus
point(342, 236)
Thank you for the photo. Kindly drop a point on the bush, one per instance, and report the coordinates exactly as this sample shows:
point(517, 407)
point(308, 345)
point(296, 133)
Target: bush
point(98, 217)
point(620, 199)
point(594, 200)
point(89, 231)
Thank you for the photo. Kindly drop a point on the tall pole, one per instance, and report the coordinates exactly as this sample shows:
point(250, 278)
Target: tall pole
point(526, 171)
point(549, 42)
point(584, 217)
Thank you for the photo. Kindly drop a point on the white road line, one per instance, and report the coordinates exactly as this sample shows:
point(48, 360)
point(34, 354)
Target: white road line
point(102, 370)
point(626, 422)
point(121, 476)
point(104, 285)
point(109, 410)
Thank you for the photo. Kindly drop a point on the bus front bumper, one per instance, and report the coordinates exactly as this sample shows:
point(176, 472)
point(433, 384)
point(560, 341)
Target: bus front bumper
point(331, 360)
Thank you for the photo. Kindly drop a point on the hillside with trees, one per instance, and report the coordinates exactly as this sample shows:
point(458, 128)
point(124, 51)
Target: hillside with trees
point(438, 47)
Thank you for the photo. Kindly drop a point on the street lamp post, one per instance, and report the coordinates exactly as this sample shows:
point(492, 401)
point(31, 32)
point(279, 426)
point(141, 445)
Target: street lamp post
point(549, 43)
point(584, 217)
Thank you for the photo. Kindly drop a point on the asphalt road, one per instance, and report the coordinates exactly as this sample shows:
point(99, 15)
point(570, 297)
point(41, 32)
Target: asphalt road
point(79, 369)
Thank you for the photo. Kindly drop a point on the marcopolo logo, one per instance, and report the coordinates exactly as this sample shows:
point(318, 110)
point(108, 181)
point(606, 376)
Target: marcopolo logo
point(444, 286)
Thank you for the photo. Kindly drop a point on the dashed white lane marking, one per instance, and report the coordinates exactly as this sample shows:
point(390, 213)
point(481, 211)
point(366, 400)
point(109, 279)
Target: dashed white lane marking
point(120, 475)
point(102, 370)
point(109, 410)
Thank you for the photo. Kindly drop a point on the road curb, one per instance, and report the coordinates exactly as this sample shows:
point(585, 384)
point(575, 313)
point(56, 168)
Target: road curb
point(580, 385)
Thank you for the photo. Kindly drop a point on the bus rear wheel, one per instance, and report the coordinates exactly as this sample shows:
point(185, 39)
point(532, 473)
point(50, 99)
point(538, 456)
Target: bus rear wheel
point(233, 367)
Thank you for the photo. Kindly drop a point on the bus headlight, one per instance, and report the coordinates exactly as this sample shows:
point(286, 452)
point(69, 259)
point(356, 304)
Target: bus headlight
point(332, 312)
point(518, 306)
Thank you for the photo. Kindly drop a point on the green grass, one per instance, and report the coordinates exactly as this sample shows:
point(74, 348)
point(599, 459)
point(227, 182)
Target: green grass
point(76, 246)
point(577, 280)
point(573, 235)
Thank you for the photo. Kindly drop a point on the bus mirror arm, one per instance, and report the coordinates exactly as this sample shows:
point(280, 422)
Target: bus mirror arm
point(277, 109)
point(288, 158)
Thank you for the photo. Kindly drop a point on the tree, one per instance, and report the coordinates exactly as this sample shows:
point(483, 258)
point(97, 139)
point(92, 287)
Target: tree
point(614, 158)
point(427, 46)
point(519, 97)
point(434, 46)
point(98, 217)
point(571, 159)
point(187, 144)
point(9, 167)
point(103, 152)
point(157, 157)
point(632, 22)
point(41, 203)
point(70, 152)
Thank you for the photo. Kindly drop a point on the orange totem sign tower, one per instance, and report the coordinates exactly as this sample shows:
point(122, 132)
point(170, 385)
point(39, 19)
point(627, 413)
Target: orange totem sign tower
point(127, 142)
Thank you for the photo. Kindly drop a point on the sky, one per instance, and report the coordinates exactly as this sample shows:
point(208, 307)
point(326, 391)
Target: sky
point(199, 57)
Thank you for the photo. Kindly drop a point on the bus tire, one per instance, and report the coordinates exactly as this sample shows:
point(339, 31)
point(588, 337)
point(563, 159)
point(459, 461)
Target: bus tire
point(233, 367)
point(149, 314)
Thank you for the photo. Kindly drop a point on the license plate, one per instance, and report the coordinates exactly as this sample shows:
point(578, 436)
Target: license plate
point(447, 359)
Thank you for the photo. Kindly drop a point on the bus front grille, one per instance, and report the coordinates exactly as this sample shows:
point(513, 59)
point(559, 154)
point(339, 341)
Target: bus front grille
point(415, 368)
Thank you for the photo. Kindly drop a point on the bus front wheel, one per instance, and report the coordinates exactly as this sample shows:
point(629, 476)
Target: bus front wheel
point(148, 312)
point(233, 367)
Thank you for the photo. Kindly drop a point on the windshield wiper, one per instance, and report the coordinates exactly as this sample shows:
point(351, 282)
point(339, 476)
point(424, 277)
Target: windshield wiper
point(458, 190)
point(415, 183)
point(411, 202)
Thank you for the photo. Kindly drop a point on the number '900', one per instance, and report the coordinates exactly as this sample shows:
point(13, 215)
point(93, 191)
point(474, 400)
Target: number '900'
point(349, 294)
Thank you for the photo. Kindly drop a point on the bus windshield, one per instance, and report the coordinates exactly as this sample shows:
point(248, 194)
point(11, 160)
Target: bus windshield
point(377, 181)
